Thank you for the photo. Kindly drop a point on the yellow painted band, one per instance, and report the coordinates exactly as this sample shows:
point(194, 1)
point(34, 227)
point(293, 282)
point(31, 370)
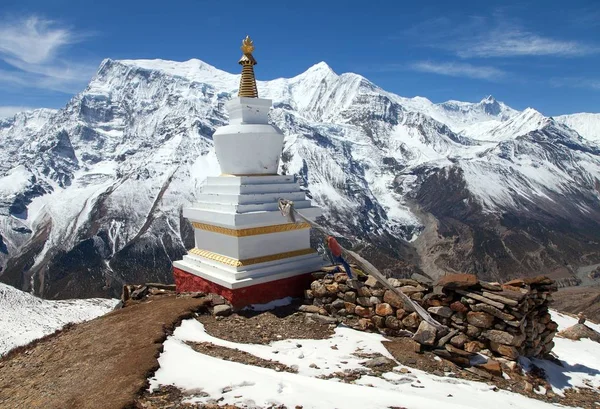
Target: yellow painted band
point(253, 231)
point(249, 261)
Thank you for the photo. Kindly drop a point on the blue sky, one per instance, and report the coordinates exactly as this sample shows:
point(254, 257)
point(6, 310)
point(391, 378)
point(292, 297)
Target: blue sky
point(543, 54)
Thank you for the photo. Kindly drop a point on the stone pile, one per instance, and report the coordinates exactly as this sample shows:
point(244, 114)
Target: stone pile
point(141, 291)
point(505, 320)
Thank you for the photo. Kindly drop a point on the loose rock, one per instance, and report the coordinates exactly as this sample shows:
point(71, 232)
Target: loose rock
point(425, 334)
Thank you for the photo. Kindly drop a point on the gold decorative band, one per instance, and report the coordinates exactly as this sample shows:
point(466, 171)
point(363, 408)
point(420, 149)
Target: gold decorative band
point(249, 261)
point(253, 231)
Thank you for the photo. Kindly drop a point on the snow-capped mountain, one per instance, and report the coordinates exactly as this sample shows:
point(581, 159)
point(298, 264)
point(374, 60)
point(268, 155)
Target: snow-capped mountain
point(587, 125)
point(91, 195)
point(25, 317)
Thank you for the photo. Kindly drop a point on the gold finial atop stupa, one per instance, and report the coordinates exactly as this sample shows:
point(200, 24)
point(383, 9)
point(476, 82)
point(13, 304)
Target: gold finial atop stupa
point(247, 82)
point(247, 45)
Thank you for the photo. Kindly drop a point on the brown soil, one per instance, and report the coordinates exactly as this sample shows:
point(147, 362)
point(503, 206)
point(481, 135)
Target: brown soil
point(264, 327)
point(102, 363)
point(579, 299)
point(235, 355)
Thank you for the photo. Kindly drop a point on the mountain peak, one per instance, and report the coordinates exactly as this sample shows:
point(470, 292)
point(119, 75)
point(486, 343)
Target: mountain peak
point(321, 68)
point(489, 100)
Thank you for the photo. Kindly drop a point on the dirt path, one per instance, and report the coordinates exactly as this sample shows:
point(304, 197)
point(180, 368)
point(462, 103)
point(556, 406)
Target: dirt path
point(99, 364)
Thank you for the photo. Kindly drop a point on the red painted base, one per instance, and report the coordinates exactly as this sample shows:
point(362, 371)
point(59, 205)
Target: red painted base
point(241, 297)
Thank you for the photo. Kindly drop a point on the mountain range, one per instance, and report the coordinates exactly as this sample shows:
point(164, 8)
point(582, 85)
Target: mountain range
point(91, 195)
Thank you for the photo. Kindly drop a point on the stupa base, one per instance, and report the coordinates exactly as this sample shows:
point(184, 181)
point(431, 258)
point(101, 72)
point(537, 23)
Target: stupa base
point(260, 293)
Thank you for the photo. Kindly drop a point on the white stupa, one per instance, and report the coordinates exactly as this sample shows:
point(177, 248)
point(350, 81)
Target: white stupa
point(245, 249)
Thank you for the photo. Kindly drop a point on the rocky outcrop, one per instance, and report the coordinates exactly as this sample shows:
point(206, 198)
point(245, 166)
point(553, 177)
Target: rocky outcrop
point(504, 320)
point(580, 330)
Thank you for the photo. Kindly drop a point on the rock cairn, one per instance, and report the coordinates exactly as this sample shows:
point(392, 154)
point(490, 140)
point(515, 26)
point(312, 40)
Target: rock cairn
point(504, 320)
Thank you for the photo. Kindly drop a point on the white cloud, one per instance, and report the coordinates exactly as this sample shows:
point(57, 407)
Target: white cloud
point(576, 82)
point(492, 36)
point(505, 42)
point(455, 69)
point(33, 40)
point(8, 111)
point(32, 47)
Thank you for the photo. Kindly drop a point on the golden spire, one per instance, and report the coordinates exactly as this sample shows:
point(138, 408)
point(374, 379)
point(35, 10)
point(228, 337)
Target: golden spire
point(247, 82)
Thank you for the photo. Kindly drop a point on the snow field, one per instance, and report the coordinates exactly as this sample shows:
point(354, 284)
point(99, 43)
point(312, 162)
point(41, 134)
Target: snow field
point(251, 386)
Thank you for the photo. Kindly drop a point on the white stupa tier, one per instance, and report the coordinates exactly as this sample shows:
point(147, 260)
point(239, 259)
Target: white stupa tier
point(241, 238)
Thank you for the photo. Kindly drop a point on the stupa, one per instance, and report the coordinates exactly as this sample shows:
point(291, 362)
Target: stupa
point(245, 250)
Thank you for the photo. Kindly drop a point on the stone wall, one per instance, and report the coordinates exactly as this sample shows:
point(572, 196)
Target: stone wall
point(505, 320)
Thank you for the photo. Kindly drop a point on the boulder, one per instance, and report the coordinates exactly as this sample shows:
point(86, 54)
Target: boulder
point(384, 309)
point(416, 296)
point(503, 337)
point(332, 289)
point(365, 324)
point(456, 351)
point(378, 292)
point(411, 320)
point(505, 350)
point(354, 284)
point(374, 300)
point(473, 346)
point(372, 282)
point(216, 299)
point(441, 311)
point(338, 304)
point(480, 319)
point(459, 340)
point(139, 293)
point(500, 298)
point(578, 331)
point(222, 310)
point(392, 322)
point(312, 309)
point(380, 363)
point(408, 281)
point(350, 296)
point(458, 307)
point(319, 290)
point(323, 319)
point(491, 286)
point(425, 334)
point(379, 321)
point(481, 298)
point(492, 311)
point(364, 292)
point(452, 281)
point(443, 340)
point(363, 312)
point(538, 280)
point(364, 301)
point(393, 299)
point(409, 289)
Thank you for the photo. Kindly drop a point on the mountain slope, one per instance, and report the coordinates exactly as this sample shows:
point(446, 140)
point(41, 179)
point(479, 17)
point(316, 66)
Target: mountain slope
point(587, 125)
point(93, 192)
point(25, 317)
